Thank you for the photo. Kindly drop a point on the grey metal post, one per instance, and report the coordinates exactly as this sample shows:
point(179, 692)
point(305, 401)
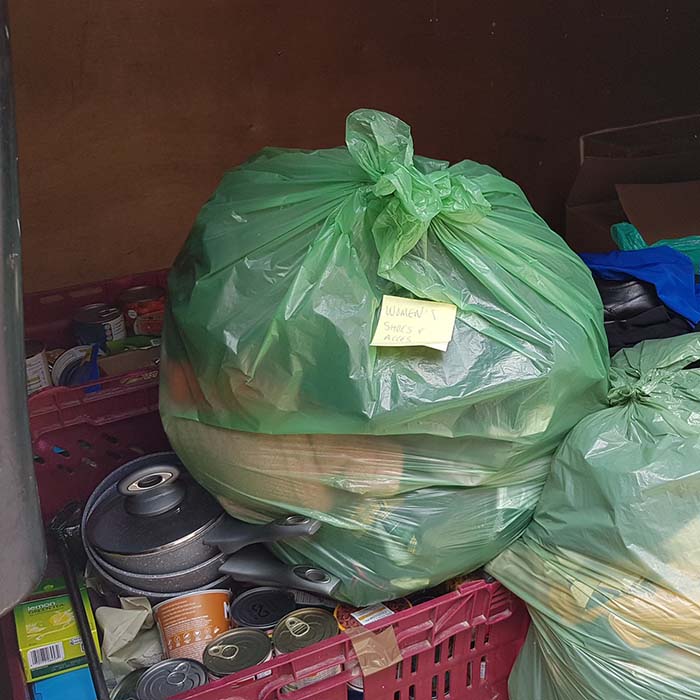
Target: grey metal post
point(22, 548)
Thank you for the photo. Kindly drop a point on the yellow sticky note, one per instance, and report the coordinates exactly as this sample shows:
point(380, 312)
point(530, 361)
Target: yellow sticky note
point(407, 322)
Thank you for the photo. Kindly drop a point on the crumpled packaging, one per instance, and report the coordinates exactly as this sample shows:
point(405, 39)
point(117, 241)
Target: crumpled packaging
point(131, 639)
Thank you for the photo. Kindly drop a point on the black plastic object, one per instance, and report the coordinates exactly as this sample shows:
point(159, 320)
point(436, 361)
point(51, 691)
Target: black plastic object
point(258, 565)
point(262, 608)
point(232, 535)
point(634, 312)
point(623, 299)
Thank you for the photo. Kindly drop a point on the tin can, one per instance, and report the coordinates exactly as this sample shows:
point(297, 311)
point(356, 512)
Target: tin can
point(67, 363)
point(98, 323)
point(126, 688)
point(143, 308)
point(169, 678)
point(236, 650)
point(36, 366)
point(262, 608)
point(356, 689)
point(189, 622)
point(301, 629)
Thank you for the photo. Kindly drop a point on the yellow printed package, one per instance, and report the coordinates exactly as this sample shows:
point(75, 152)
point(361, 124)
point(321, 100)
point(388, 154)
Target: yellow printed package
point(48, 636)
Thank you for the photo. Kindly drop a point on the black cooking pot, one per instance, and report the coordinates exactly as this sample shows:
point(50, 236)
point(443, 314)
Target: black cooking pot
point(150, 529)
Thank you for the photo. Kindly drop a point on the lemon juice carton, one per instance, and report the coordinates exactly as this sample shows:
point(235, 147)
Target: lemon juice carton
point(47, 632)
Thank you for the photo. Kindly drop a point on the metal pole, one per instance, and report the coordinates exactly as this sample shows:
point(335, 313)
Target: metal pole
point(23, 552)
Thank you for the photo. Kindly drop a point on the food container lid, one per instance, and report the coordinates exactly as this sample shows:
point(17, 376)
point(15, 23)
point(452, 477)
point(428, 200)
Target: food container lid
point(235, 650)
point(302, 628)
point(169, 678)
point(126, 688)
point(262, 608)
point(179, 509)
point(140, 293)
point(96, 313)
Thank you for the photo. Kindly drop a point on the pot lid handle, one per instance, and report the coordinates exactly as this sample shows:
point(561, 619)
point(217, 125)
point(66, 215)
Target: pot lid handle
point(152, 490)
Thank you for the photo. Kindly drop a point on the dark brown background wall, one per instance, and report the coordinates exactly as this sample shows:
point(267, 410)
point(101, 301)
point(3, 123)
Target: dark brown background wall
point(129, 111)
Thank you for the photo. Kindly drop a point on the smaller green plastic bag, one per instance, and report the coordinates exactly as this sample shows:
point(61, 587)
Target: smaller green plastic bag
point(628, 237)
point(610, 565)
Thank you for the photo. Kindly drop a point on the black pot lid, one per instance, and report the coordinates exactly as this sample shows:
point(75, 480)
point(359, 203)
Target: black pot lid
point(156, 506)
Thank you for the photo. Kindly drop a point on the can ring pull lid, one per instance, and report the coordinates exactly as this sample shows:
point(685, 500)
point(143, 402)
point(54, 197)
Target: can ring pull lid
point(179, 675)
point(297, 627)
point(224, 651)
point(152, 490)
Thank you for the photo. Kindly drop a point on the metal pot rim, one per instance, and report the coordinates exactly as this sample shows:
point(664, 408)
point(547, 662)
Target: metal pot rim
point(112, 569)
point(154, 595)
point(169, 546)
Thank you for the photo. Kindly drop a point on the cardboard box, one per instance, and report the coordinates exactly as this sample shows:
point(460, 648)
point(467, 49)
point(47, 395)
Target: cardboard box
point(129, 361)
point(47, 633)
point(624, 175)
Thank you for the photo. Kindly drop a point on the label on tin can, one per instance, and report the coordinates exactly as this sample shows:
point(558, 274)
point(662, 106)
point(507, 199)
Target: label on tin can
point(349, 617)
point(98, 323)
point(144, 309)
point(188, 623)
point(372, 613)
point(115, 329)
point(37, 367)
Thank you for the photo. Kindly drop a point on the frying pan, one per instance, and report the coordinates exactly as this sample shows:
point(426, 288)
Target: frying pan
point(152, 500)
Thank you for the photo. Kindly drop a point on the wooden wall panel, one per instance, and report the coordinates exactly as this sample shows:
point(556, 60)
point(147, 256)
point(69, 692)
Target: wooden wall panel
point(129, 111)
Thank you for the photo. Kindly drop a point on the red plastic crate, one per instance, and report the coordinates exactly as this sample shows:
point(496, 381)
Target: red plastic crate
point(80, 436)
point(460, 646)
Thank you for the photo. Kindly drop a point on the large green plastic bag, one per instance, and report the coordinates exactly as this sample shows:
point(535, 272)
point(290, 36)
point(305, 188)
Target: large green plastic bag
point(420, 464)
point(610, 565)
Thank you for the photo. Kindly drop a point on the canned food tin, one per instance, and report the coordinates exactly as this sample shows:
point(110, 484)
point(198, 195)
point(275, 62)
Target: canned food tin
point(98, 323)
point(189, 622)
point(236, 650)
point(67, 363)
point(355, 692)
point(144, 308)
point(302, 628)
point(36, 366)
point(126, 688)
point(358, 682)
point(169, 678)
point(262, 608)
